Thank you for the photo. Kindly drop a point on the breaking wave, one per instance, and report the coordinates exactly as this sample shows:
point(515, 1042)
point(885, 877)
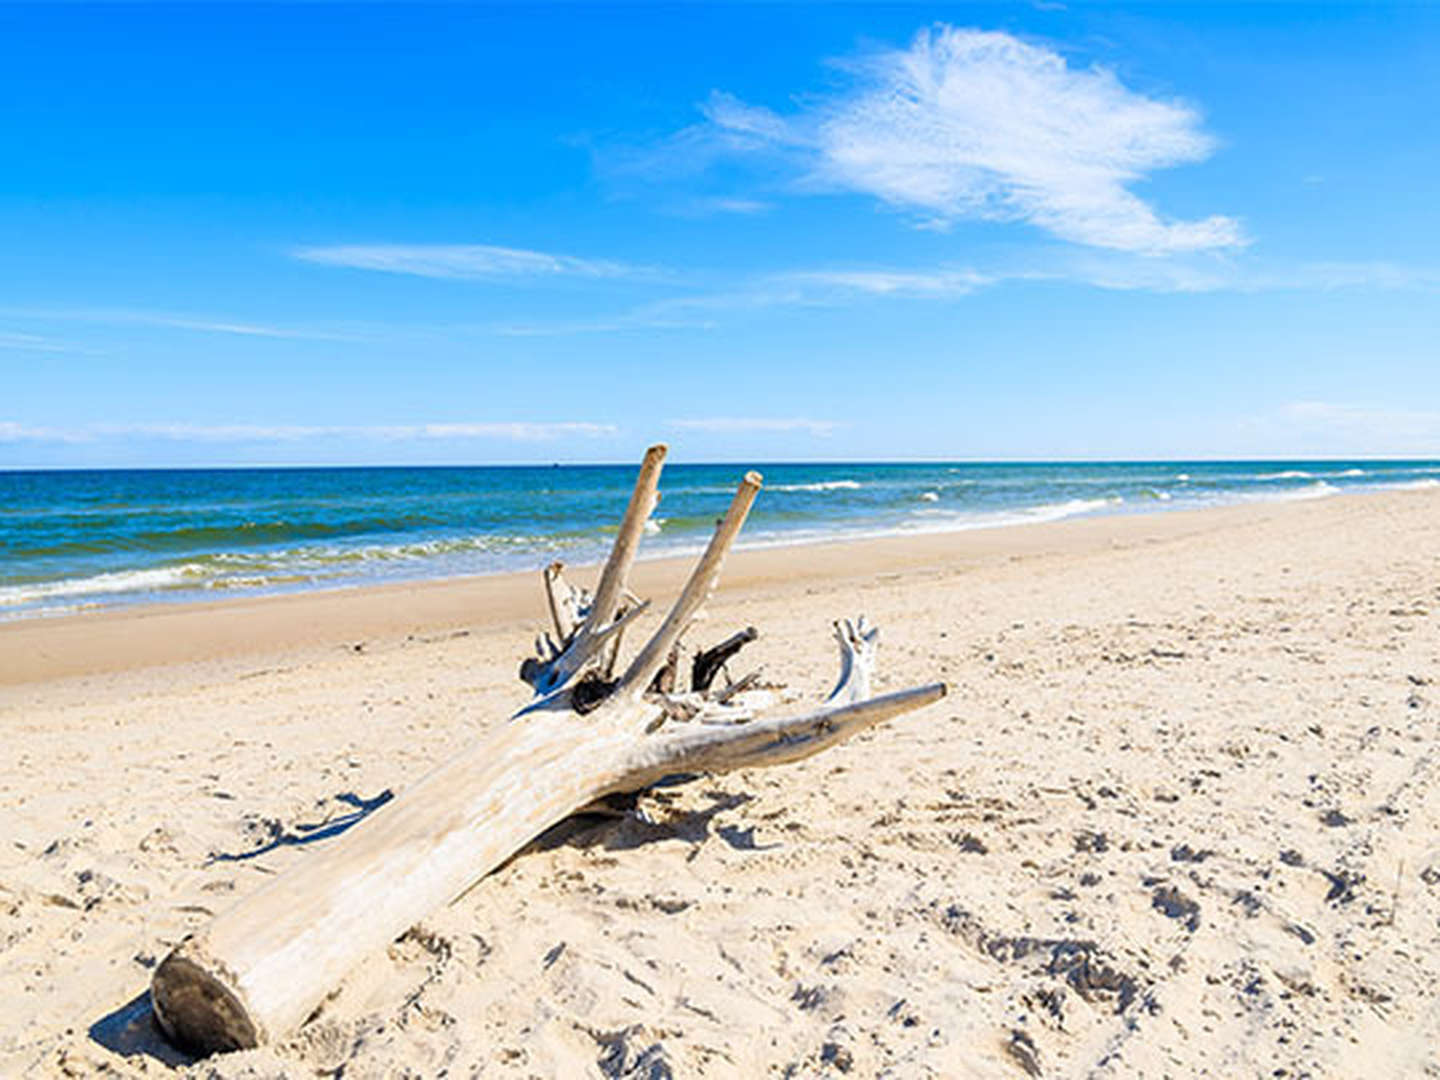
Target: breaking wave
point(820, 485)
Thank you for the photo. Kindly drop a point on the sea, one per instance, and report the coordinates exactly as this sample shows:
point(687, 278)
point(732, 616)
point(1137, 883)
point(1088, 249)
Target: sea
point(79, 540)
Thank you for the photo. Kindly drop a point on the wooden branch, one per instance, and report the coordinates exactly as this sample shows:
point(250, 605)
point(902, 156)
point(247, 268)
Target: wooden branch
point(614, 579)
point(260, 969)
point(664, 679)
point(586, 641)
point(721, 748)
point(568, 605)
point(622, 619)
point(696, 592)
point(739, 686)
point(708, 663)
point(857, 660)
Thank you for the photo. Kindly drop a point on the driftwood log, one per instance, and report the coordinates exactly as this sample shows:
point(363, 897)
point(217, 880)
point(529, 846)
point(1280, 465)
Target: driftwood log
point(260, 969)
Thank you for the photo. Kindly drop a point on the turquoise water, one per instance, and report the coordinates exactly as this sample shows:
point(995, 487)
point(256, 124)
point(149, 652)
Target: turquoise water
point(80, 539)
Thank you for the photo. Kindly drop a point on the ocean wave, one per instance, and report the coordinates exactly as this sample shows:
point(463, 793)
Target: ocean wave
point(315, 564)
point(821, 485)
point(1288, 474)
point(118, 581)
point(929, 496)
point(1068, 508)
point(1426, 484)
point(1351, 472)
point(1318, 490)
point(322, 556)
point(251, 533)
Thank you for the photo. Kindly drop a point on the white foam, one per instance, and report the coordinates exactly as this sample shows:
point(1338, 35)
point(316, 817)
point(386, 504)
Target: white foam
point(1288, 474)
point(823, 485)
point(1352, 472)
point(1318, 490)
point(1069, 508)
point(120, 581)
point(654, 525)
point(929, 496)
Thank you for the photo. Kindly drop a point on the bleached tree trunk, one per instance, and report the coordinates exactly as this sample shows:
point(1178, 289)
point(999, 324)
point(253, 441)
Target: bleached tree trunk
point(260, 969)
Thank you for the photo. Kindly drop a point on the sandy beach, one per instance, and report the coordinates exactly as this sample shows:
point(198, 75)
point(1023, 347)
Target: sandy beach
point(1177, 817)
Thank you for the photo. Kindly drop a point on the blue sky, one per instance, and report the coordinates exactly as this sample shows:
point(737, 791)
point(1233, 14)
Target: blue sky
point(453, 234)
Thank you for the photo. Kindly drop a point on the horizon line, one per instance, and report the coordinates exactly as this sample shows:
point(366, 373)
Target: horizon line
point(738, 463)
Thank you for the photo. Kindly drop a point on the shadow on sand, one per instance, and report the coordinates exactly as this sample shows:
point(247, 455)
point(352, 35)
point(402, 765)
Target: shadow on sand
point(133, 1030)
point(308, 834)
point(617, 827)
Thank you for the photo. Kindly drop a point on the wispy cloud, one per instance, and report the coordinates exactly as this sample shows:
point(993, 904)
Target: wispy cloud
point(1205, 274)
point(1374, 429)
point(209, 326)
point(966, 124)
point(643, 318)
point(1112, 271)
point(171, 321)
point(511, 431)
point(933, 284)
point(1115, 271)
point(14, 432)
point(730, 425)
point(17, 342)
point(463, 261)
point(1358, 275)
point(706, 206)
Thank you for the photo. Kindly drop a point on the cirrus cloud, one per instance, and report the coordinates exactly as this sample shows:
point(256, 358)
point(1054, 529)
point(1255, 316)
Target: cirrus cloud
point(968, 124)
point(461, 261)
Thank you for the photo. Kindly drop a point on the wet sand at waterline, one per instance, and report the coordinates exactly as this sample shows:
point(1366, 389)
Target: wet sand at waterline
point(1178, 816)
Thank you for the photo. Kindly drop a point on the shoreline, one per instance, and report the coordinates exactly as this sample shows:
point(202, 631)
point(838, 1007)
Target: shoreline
point(131, 543)
point(131, 637)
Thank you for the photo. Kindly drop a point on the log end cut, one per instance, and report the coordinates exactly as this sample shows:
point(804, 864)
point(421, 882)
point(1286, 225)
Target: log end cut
point(198, 1011)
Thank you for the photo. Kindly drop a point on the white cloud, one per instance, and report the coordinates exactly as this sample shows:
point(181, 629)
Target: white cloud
point(1358, 275)
point(522, 431)
point(1112, 271)
point(462, 261)
point(511, 431)
point(1380, 429)
point(737, 206)
point(647, 317)
point(209, 326)
point(705, 206)
point(981, 125)
point(14, 432)
point(1118, 271)
point(932, 284)
point(1207, 274)
point(730, 425)
point(165, 320)
point(17, 342)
